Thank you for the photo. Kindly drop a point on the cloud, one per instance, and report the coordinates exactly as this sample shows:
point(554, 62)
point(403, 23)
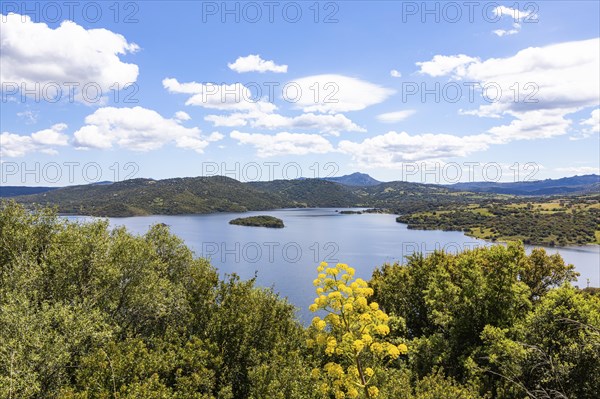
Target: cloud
point(231, 120)
point(192, 143)
point(137, 129)
point(389, 150)
point(395, 74)
point(233, 97)
point(538, 124)
point(33, 53)
point(538, 86)
point(30, 116)
point(284, 143)
point(503, 32)
point(442, 65)
point(182, 116)
point(517, 16)
point(392, 117)
point(14, 145)
point(328, 124)
point(215, 136)
point(514, 13)
point(563, 75)
point(335, 93)
point(593, 122)
point(246, 111)
point(253, 63)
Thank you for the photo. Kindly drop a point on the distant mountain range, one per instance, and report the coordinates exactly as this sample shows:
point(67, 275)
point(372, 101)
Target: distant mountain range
point(223, 194)
point(13, 191)
point(565, 185)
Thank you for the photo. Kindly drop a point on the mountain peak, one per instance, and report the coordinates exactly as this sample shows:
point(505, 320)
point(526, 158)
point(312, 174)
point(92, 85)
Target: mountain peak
point(354, 179)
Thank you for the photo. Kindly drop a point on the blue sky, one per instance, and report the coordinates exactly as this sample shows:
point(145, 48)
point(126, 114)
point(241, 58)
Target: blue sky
point(393, 89)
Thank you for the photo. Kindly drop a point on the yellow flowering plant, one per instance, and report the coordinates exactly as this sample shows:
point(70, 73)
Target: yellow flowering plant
point(352, 334)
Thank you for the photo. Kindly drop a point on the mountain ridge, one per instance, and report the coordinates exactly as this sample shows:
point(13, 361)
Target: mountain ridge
point(563, 185)
point(143, 196)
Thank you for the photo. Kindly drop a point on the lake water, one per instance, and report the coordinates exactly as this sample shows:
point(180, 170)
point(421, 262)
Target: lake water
point(286, 259)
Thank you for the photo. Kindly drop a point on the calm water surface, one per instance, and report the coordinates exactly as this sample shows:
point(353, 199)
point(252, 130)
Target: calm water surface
point(285, 259)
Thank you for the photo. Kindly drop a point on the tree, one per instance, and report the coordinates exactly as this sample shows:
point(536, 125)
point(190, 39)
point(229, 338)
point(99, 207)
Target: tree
point(552, 353)
point(351, 335)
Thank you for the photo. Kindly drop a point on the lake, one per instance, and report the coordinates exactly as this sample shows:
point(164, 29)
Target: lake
point(286, 259)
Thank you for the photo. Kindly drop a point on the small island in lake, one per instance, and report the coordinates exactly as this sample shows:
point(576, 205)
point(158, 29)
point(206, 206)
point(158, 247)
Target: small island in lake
point(259, 221)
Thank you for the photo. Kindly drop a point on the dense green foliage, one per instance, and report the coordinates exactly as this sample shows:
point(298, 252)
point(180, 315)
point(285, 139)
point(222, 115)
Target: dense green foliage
point(492, 318)
point(90, 313)
point(259, 221)
point(313, 193)
point(86, 312)
point(560, 221)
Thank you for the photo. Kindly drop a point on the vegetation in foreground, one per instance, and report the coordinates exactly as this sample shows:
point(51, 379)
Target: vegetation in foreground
point(259, 221)
point(86, 312)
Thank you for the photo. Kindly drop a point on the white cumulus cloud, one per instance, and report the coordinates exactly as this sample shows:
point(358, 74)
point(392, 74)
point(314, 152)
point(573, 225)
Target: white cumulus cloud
point(15, 145)
point(442, 65)
point(389, 150)
point(33, 53)
point(233, 97)
point(593, 121)
point(283, 143)
point(538, 86)
point(590, 126)
point(247, 111)
point(331, 93)
point(253, 63)
point(182, 116)
point(323, 123)
point(137, 129)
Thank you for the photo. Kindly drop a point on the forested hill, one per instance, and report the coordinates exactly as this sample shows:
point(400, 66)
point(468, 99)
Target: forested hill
point(310, 192)
point(168, 197)
point(223, 194)
point(563, 220)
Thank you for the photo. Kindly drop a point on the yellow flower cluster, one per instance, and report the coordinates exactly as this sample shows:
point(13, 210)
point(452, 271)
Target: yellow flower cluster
point(352, 332)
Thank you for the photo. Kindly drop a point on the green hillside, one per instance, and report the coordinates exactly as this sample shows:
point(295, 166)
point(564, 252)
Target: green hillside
point(310, 192)
point(167, 197)
point(548, 220)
